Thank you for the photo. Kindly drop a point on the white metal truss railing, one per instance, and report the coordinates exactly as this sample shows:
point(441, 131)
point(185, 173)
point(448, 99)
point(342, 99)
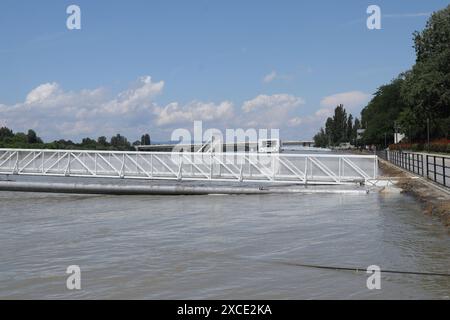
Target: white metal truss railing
point(245, 167)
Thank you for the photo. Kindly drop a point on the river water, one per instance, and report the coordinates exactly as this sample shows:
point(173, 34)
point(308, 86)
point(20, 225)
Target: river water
point(218, 247)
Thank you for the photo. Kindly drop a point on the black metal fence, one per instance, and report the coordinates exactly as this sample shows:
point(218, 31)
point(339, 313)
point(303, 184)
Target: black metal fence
point(410, 161)
point(435, 168)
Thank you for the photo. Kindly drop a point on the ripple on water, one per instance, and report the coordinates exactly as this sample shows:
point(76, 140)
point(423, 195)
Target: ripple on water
point(218, 247)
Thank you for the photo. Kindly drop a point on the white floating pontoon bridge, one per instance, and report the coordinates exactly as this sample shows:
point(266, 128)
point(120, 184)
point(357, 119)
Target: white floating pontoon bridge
point(318, 169)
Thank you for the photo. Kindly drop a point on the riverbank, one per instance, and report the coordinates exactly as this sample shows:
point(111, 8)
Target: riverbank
point(435, 199)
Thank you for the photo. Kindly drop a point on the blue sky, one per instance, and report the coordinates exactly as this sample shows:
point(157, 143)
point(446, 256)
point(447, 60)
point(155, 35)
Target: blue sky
point(152, 66)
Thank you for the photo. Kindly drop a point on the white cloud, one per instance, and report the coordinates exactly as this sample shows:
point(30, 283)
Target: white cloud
point(295, 121)
point(324, 112)
point(270, 77)
point(173, 113)
point(277, 101)
point(350, 100)
point(311, 123)
point(131, 100)
point(55, 113)
point(274, 75)
point(269, 111)
point(42, 93)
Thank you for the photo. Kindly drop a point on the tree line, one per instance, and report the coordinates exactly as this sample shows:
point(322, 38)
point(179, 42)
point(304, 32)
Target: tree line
point(339, 128)
point(9, 139)
point(415, 103)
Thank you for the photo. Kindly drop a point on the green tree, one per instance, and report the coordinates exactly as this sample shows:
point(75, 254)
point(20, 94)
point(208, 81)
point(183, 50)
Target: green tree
point(32, 137)
point(349, 132)
point(31, 140)
point(329, 130)
point(339, 125)
point(381, 113)
point(119, 142)
point(338, 129)
point(356, 126)
point(5, 133)
point(88, 144)
point(102, 141)
point(321, 139)
point(426, 89)
point(145, 139)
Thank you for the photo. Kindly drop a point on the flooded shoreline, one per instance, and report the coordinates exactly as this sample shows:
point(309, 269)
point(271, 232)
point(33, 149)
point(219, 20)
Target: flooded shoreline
point(434, 199)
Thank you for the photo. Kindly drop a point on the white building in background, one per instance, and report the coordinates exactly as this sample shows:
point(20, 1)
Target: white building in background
point(269, 145)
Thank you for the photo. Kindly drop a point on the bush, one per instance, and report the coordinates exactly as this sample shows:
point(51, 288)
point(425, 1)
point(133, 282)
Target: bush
point(440, 146)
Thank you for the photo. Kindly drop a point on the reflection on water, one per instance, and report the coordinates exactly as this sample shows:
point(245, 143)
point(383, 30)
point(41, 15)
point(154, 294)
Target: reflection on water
point(218, 246)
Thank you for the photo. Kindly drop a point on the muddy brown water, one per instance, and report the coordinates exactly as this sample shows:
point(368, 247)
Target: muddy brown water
point(218, 247)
